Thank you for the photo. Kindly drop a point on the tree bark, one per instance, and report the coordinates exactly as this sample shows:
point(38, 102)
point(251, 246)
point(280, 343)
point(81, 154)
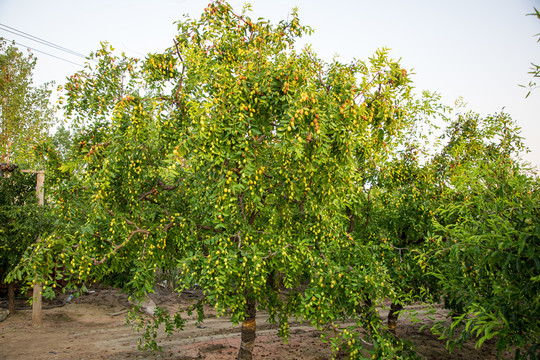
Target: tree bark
point(248, 331)
point(11, 298)
point(393, 317)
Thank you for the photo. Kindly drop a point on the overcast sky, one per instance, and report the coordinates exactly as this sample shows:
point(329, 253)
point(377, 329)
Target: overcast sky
point(480, 50)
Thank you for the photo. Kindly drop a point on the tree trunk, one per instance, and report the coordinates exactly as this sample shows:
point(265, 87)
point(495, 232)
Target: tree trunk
point(393, 317)
point(171, 280)
point(248, 331)
point(11, 297)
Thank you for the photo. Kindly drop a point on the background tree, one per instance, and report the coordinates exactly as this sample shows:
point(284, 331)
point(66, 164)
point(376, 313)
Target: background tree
point(407, 194)
point(387, 221)
point(25, 111)
point(20, 222)
point(488, 236)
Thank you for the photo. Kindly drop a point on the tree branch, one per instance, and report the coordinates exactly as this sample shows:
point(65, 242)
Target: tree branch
point(276, 252)
point(207, 227)
point(351, 220)
point(164, 186)
point(145, 195)
point(241, 204)
point(180, 84)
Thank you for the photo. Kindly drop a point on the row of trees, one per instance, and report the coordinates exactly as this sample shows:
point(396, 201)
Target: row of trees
point(26, 116)
point(278, 182)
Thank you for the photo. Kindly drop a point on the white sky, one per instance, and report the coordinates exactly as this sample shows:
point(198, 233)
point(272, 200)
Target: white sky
point(480, 50)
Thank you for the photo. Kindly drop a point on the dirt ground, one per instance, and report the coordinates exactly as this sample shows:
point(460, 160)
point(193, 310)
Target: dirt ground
point(93, 326)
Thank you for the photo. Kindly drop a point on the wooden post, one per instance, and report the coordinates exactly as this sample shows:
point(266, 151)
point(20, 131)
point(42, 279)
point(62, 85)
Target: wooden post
point(39, 187)
point(38, 287)
point(36, 305)
point(11, 298)
point(36, 301)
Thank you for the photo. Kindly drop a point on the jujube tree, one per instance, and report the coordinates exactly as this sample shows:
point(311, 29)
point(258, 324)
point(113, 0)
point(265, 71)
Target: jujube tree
point(237, 159)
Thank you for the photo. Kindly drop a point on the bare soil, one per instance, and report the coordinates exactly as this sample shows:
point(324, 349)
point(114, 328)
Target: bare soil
point(90, 327)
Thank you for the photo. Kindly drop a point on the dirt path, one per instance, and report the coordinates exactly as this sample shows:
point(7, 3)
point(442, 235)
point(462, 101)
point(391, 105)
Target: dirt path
point(85, 329)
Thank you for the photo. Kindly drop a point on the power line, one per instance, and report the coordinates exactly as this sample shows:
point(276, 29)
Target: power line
point(42, 41)
point(46, 53)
